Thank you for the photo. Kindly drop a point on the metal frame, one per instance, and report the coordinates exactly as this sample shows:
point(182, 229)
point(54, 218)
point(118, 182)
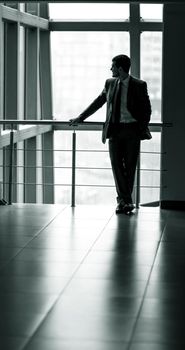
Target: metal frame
point(13, 15)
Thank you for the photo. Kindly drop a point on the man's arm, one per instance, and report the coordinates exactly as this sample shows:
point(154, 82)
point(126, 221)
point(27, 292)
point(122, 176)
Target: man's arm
point(92, 108)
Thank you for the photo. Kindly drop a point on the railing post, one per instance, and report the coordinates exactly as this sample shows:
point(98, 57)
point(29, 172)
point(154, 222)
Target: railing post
point(11, 165)
point(73, 184)
point(138, 182)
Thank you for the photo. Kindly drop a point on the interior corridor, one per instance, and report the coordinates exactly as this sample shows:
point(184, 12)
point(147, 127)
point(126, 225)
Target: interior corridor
point(85, 279)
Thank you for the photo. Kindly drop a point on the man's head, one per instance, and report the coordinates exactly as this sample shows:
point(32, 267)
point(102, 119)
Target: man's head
point(120, 65)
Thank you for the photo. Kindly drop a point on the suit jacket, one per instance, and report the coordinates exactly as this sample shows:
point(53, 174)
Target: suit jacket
point(138, 104)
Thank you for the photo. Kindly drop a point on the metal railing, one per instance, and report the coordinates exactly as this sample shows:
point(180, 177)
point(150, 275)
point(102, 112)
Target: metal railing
point(14, 135)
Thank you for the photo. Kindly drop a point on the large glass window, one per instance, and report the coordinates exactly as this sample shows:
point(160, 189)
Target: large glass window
point(81, 63)
point(90, 11)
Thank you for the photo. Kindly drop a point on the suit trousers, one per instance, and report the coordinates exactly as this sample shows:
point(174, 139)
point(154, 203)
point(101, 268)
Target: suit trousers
point(124, 146)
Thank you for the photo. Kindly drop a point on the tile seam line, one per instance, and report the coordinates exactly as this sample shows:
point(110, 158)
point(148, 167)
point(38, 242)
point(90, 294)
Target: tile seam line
point(145, 290)
point(67, 284)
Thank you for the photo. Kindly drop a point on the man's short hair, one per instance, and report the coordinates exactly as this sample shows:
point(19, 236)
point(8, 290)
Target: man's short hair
point(122, 61)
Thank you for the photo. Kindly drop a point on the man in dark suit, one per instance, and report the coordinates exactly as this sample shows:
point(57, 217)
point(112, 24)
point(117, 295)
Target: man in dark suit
point(127, 117)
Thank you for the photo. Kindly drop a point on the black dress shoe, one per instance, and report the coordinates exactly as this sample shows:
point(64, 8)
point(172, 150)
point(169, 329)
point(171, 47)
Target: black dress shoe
point(124, 208)
point(128, 208)
point(120, 208)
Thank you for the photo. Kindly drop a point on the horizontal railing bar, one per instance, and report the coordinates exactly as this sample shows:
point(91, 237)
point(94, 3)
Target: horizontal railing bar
point(59, 122)
point(77, 150)
point(51, 167)
point(66, 167)
point(49, 184)
point(77, 185)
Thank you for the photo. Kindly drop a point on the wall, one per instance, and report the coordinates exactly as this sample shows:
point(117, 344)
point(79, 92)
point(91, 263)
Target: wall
point(173, 138)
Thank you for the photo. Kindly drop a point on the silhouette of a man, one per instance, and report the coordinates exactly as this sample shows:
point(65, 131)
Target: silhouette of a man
point(127, 117)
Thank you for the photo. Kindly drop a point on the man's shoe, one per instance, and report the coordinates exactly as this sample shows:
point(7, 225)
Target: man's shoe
point(120, 208)
point(128, 208)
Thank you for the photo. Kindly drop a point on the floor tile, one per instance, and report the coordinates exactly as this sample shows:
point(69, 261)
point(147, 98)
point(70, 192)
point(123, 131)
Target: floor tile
point(165, 290)
point(113, 257)
point(17, 230)
point(98, 305)
point(55, 255)
point(30, 302)
point(160, 331)
point(19, 324)
point(13, 240)
point(163, 309)
point(123, 272)
point(170, 260)
point(53, 344)
point(133, 246)
point(7, 253)
point(63, 243)
point(165, 273)
point(39, 268)
point(132, 233)
point(156, 346)
point(44, 285)
point(73, 325)
point(174, 233)
point(106, 288)
point(15, 343)
point(177, 247)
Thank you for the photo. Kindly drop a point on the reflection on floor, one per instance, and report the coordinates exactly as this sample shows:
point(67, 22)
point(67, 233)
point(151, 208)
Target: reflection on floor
point(86, 279)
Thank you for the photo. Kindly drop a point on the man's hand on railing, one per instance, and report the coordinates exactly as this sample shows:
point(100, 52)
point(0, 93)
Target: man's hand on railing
point(74, 121)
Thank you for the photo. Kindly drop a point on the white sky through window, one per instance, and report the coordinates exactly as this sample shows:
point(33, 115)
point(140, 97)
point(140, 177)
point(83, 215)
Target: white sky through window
point(102, 11)
point(90, 11)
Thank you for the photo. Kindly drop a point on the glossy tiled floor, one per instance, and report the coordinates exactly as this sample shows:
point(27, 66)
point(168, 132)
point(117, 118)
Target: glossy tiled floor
point(86, 279)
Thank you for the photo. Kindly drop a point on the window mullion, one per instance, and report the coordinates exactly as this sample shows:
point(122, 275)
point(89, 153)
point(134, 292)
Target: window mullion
point(135, 39)
point(113, 26)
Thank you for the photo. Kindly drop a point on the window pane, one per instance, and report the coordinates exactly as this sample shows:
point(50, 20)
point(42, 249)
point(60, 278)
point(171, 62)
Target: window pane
point(150, 169)
point(151, 12)
point(151, 69)
point(21, 80)
point(81, 63)
point(91, 11)
point(22, 7)
point(94, 184)
point(62, 166)
point(96, 196)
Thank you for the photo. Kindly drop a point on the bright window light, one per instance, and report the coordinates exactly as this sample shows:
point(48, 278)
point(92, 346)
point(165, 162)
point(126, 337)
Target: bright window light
point(90, 11)
point(151, 12)
point(82, 59)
